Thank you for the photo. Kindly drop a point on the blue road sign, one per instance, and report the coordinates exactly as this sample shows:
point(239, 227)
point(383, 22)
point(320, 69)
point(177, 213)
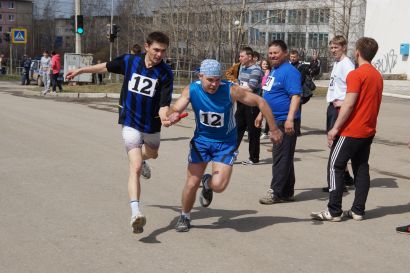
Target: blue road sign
point(19, 35)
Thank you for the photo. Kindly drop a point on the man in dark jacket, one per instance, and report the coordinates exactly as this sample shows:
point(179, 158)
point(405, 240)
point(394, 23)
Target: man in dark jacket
point(25, 75)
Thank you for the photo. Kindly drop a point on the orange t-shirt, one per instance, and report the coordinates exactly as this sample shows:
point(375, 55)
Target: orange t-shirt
point(368, 82)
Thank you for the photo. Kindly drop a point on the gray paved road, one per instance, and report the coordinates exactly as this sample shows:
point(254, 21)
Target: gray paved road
point(63, 201)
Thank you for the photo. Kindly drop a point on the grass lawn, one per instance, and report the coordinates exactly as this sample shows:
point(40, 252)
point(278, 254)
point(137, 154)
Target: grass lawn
point(10, 78)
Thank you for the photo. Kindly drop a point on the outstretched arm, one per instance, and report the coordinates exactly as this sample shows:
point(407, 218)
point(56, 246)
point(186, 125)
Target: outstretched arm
point(242, 95)
point(98, 68)
point(171, 115)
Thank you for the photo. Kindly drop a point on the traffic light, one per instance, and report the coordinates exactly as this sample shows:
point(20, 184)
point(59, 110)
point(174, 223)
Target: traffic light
point(115, 30)
point(6, 36)
point(80, 24)
point(72, 23)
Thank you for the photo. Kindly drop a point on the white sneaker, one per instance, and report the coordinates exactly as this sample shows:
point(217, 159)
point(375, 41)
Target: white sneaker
point(145, 170)
point(264, 136)
point(354, 216)
point(325, 216)
point(138, 222)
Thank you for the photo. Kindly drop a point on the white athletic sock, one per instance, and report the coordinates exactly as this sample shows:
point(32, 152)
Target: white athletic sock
point(186, 214)
point(134, 204)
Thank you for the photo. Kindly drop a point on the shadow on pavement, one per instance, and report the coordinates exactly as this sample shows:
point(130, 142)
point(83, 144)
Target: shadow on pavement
point(384, 183)
point(225, 220)
point(387, 210)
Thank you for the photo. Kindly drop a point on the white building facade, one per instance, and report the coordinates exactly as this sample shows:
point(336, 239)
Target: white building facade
point(387, 21)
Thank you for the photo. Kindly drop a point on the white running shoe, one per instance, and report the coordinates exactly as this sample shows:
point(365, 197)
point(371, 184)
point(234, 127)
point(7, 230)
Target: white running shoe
point(264, 136)
point(325, 216)
point(138, 222)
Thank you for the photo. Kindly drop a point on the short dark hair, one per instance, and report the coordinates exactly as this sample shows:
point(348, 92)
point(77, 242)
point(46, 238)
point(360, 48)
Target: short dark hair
point(248, 50)
point(53, 52)
point(46, 51)
point(256, 55)
point(294, 52)
point(136, 49)
point(367, 48)
point(158, 37)
point(279, 43)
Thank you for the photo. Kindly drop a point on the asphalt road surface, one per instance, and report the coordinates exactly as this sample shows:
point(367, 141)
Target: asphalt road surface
point(64, 207)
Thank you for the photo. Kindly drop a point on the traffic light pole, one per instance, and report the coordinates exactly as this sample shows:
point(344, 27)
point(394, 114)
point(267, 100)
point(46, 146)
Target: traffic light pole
point(77, 36)
point(11, 58)
point(112, 19)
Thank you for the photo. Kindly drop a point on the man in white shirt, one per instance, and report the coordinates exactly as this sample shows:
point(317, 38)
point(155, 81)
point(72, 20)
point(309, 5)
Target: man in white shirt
point(337, 89)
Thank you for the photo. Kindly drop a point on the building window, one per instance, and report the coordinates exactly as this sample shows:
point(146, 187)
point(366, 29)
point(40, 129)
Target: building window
point(318, 40)
point(297, 16)
point(258, 16)
point(11, 5)
point(319, 16)
point(1, 29)
point(296, 39)
point(277, 16)
point(276, 36)
point(11, 17)
point(1, 16)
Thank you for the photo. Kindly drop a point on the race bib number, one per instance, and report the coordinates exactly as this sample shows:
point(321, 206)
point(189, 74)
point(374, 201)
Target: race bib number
point(142, 85)
point(244, 84)
point(211, 119)
point(269, 83)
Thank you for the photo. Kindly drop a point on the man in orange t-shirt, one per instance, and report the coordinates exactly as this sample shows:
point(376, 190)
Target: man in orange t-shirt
point(353, 133)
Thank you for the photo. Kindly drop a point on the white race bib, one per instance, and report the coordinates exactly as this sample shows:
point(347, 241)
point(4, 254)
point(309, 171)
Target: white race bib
point(211, 119)
point(142, 85)
point(269, 83)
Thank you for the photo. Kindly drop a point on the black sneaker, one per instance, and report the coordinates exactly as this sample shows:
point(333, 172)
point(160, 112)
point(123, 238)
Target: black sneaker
point(326, 189)
point(349, 181)
point(403, 229)
point(205, 197)
point(183, 224)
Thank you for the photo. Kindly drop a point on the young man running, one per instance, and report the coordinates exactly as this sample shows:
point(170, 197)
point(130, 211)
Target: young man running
point(144, 102)
point(215, 135)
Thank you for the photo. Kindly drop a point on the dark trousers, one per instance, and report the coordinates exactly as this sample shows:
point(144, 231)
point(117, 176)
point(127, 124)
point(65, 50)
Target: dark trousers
point(331, 116)
point(283, 171)
point(25, 78)
point(358, 151)
point(245, 120)
point(55, 82)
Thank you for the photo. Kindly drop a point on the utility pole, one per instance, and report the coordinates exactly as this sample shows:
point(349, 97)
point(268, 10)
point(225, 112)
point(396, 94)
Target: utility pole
point(77, 35)
point(111, 31)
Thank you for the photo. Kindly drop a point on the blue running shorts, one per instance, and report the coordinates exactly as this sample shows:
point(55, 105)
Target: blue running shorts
point(205, 151)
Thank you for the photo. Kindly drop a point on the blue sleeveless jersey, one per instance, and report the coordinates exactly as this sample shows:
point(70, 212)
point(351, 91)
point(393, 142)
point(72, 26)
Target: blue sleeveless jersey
point(214, 113)
point(144, 91)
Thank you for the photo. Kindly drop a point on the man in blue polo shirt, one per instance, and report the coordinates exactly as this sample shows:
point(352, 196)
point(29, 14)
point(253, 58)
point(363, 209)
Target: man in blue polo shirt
point(144, 104)
point(282, 92)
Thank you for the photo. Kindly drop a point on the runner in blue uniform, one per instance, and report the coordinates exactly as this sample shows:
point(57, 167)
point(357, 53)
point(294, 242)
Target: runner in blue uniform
point(215, 135)
point(144, 104)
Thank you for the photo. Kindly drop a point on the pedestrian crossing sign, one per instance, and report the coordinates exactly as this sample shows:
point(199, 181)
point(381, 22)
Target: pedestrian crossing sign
point(19, 35)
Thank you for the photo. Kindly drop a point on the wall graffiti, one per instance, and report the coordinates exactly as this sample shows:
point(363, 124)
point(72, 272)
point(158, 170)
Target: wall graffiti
point(387, 63)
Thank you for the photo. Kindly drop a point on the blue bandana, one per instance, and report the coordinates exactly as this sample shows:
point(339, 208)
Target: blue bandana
point(210, 68)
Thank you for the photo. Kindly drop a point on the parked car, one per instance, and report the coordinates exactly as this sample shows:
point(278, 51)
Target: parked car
point(36, 73)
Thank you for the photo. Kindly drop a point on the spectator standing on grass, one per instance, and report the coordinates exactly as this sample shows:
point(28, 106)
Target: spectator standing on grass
point(55, 71)
point(45, 67)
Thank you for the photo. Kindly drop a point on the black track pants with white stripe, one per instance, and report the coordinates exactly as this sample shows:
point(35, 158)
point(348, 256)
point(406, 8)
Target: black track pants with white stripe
point(358, 151)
